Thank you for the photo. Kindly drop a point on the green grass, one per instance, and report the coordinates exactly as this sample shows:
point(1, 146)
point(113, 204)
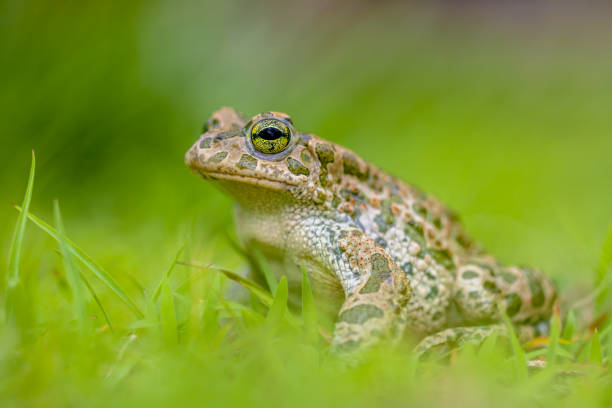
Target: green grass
point(123, 297)
point(184, 332)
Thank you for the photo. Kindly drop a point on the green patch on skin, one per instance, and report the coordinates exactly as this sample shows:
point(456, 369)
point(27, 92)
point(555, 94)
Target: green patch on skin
point(296, 167)
point(304, 139)
point(351, 167)
point(247, 162)
point(218, 157)
point(230, 134)
point(323, 178)
point(513, 304)
point(360, 314)
point(442, 257)
point(415, 232)
point(407, 268)
point(396, 198)
point(433, 292)
point(305, 157)
point(474, 294)
point(380, 272)
point(385, 218)
point(376, 333)
point(491, 287)
point(205, 143)
point(470, 274)
point(508, 277)
point(348, 346)
point(464, 241)
point(419, 209)
point(356, 195)
point(437, 222)
point(535, 287)
point(336, 201)
point(382, 225)
point(325, 153)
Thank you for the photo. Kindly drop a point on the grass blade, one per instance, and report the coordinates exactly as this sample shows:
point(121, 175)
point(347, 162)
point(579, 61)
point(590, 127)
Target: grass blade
point(519, 361)
point(262, 294)
point(601, 271)
point(168, 273)
point(553, 343)
point(264, 266)
point(278, 308)
point(570, 326)
point(309, 313)
point(98, 302)
point(92, 265)
point(595, 353)
point(167, 316)
point(17, 306)
point(210, 318)
point(72, 275)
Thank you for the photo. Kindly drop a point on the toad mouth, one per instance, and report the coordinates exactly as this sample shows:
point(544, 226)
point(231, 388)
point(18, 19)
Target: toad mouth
point(215, 175)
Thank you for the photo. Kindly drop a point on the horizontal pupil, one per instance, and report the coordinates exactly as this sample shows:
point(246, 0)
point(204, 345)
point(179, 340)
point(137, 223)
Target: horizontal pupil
point(270, 133)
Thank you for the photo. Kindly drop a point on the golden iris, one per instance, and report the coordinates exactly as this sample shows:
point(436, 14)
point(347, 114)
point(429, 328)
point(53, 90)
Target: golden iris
point(270, 136)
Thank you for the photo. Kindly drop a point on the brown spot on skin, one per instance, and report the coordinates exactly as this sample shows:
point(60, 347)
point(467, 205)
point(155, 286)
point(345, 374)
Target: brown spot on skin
point(296, 167)
point(218, 157)
point(360, 314)
point(395, 209)
point(247, 162)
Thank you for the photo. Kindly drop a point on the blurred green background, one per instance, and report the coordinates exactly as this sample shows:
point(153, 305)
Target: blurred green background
point(502, 110)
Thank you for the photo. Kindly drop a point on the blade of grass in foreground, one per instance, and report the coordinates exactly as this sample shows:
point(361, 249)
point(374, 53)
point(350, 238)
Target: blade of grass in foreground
point(168, 273)
point(267, 271)
point(167, 315)
point(98, 302)
point(519, 361)
point(262, 294)
point(595, 353)
point(309, 313)
point(570, 325)
point(72, 275)
point(252, 287)
point(603, 265)
point(92, 265)
point(555, 331)
point(16, 304)
point(278, 308)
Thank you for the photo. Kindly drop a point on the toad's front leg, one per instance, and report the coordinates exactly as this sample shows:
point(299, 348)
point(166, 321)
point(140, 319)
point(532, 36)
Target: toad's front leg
point(377, 292)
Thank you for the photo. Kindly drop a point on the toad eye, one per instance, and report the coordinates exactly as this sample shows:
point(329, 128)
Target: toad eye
point(270, 136)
